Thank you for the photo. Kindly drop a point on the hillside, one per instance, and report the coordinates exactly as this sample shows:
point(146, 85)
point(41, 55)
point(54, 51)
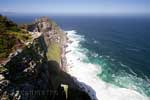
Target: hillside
point(11, 37)
point(39, 69)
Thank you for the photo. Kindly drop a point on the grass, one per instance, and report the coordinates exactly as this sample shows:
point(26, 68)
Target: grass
point(21, 35)
point(54, 52)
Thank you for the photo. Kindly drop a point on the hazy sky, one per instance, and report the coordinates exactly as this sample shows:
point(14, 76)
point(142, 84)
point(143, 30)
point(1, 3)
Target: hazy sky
point(77, 6)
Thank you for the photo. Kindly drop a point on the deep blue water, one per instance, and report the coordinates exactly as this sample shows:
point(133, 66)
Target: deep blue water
point(122, 45)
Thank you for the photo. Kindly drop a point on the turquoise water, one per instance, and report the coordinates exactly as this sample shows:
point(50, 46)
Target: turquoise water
point(120, 45)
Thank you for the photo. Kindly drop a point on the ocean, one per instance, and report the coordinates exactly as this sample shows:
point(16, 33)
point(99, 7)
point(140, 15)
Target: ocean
point(109, 53)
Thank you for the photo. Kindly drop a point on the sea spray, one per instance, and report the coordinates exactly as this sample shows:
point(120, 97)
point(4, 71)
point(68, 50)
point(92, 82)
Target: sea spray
point(87, 72)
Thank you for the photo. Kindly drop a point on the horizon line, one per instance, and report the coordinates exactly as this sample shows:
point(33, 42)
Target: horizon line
point(74, 14)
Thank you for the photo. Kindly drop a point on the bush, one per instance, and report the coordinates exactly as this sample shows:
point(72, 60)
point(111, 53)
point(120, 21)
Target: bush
point(10, 35)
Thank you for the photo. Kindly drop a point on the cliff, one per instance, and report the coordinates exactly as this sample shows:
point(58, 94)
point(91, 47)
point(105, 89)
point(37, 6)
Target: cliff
point(37, 72)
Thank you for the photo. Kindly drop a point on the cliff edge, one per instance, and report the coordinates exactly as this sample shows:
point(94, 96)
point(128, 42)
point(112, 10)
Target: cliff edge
point(37, 71)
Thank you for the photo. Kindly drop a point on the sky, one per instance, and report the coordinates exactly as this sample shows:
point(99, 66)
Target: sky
point(76, 6)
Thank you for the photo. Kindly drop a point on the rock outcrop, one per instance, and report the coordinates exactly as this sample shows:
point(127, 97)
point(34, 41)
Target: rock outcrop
point(38, 71)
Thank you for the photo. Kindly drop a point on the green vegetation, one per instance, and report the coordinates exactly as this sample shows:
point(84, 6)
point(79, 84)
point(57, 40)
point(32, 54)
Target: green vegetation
point(5, 46)
point(11, 36)
point(53, 24)
point(6, 25)
point(54, 52)
point(2, 69)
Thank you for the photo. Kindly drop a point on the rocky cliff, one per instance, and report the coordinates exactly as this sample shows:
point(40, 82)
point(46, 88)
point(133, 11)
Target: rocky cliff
point(38, 71)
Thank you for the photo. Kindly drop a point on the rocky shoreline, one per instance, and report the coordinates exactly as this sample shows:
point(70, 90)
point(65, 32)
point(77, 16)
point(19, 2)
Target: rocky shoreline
point(40, 66)
point(81, 85)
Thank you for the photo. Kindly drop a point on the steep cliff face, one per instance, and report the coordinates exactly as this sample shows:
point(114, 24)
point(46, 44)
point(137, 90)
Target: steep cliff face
point(38, 71)
point(54, 38)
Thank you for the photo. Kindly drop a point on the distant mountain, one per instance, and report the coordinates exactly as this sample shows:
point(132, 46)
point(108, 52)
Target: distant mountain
point(5, 13)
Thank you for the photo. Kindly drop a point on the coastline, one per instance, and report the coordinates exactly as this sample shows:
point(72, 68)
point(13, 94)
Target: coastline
point(87, 73)
point(41, 61)
point(72, 55)
point(69, 70)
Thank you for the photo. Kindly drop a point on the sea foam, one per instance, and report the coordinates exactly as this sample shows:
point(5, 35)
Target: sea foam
point(87, 73)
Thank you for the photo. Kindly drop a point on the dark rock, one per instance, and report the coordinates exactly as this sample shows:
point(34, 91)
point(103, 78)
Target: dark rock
point(31, 76)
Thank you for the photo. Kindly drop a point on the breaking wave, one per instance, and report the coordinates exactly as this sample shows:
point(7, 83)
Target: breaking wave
point(89, 72)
